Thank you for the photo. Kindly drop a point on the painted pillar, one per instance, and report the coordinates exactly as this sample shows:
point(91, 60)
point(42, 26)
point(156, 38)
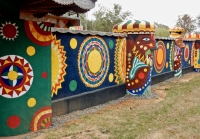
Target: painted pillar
point(176, 33)
point(195, 53)
point(25, 76)
point(140, 45)
point(197, 56)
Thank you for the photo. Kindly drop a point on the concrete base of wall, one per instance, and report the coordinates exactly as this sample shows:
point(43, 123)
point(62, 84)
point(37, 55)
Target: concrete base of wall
point(88, 99)
point(100, 96)
point(161, 77)
point(167, 75)
point(187, 70)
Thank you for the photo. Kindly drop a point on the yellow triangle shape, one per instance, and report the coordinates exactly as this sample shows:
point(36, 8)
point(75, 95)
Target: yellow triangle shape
point(6, 62)
point(19, 62)
point(7, 90)
point(27, 79)
point(19, 89)
point(35, 34)
point(41, 39)
point(45, 37)
point(50, 37)
point(31, 26)
point(33, 30)
point(26, 68)
point(38, 36)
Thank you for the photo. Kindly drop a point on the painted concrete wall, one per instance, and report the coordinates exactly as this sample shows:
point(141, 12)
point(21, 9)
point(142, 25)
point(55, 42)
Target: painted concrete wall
point(37, 67)
point(95, 62)
point(86, 63)
point(197, 56)
point(164, 56)
point(187, 54)
point(25, 76)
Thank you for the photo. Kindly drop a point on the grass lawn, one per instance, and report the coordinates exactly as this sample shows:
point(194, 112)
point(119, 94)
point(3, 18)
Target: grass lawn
point(175, 114)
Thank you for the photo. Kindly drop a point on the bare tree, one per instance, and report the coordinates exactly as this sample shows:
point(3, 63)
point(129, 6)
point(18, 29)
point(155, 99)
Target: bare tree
point(185, 21)
point(198, 20)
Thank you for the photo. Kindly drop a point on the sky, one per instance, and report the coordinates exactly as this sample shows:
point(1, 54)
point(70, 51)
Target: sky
point(161, 11)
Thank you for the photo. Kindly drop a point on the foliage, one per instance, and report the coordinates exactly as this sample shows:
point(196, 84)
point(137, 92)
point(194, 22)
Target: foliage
point(87, 24)
point(157, 25)
point(198, 21)
point(161, 30)
point(105, 18)
point(185, 21)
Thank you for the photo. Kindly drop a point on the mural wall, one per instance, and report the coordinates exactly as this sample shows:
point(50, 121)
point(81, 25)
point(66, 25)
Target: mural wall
point(25, 73)
point(195, 50)
point(187, 53)
point(38, 66)
point(164, 56)
point(82, 63)
point(197, 56)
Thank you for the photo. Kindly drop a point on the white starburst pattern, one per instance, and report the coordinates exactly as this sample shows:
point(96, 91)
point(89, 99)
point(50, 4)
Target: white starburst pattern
point(9, 31)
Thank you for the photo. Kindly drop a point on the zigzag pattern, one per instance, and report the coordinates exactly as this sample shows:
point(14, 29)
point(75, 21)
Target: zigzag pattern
point(60, 78)
point(120, 76)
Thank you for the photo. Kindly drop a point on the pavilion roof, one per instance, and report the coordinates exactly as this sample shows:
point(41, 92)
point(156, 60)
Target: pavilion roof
point(41, 8)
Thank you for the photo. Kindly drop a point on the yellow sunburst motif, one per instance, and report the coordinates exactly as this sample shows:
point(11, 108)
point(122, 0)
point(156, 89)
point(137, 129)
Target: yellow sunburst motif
point(120, 60)
point(58, 65)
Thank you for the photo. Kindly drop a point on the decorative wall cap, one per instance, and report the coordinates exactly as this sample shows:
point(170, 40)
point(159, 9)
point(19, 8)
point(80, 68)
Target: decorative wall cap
point(195, 36)
point(176, 30)
point(135, 27)
point(168, 38)
point(84, 4)
point(30, 17)
point(86, 32)
point(48, 18)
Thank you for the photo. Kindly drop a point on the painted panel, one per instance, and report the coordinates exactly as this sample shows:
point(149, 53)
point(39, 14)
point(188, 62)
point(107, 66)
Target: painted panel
point(163, 57)
point(25, 73)
point(92, 62)
point(186, 55)
point(197, 56)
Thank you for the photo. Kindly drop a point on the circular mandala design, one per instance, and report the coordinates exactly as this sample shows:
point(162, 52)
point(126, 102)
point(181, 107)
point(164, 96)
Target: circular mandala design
point(39, 32)
point(41, 119)
point(186, 53)
point(16, 76)
point(93, 61)
point(160, 57)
